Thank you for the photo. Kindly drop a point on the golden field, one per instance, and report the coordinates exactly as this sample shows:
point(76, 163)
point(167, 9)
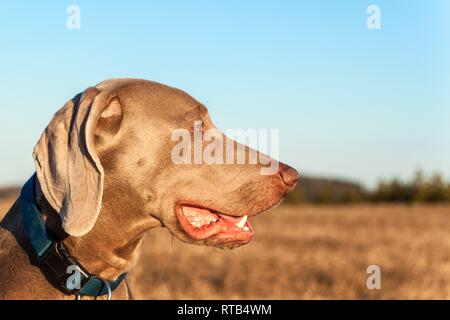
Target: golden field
point(307, 252)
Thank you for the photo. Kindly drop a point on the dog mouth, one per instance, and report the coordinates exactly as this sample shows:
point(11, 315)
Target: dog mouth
point(206, 224)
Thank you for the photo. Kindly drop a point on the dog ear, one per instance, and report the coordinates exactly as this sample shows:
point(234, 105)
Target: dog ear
point(67, 164)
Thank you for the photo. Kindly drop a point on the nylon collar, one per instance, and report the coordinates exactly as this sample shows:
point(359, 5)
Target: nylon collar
point(52, 255)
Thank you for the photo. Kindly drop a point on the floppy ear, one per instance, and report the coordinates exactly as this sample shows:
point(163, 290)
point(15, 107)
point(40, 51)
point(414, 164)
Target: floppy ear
point(67, 164)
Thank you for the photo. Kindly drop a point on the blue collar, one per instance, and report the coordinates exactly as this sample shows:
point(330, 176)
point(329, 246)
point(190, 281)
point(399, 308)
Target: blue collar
point(52, 255)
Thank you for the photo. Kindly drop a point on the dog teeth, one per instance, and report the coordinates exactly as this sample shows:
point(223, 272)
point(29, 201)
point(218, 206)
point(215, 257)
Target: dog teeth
point(246, 229)
point(241, 223)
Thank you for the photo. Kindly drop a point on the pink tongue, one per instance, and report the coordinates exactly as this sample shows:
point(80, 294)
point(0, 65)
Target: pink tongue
point(198, 217)
point(202, 224)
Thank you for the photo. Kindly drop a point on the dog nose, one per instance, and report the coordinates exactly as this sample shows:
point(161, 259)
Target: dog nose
point(288, 175)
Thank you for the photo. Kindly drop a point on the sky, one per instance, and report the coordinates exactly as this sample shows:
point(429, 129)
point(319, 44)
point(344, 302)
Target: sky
point(349, 102)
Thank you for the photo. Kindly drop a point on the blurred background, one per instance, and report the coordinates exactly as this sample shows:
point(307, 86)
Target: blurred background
point(363, 114)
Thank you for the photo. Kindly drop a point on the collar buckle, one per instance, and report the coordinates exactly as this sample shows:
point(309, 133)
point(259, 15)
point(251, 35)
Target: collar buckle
point(66, 271)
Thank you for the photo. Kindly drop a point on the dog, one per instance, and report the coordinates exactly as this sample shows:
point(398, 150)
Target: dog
point(105, 176)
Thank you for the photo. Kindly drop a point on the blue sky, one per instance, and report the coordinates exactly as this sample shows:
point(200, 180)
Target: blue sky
point(349, 102)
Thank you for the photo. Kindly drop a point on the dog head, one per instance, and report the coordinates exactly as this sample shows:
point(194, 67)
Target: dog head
point(129, 151)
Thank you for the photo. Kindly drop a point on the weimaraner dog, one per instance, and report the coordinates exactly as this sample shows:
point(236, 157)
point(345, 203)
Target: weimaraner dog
point(105, 175)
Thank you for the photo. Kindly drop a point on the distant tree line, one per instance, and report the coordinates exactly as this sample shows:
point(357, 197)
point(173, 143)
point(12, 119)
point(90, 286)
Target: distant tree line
point(9, 192)
point(421, 188)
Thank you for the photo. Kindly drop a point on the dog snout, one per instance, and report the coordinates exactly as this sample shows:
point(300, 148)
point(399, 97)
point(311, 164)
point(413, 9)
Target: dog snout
point(288, 175)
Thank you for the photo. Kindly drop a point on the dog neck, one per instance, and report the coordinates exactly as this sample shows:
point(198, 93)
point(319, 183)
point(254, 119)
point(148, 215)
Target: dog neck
point(111, 248)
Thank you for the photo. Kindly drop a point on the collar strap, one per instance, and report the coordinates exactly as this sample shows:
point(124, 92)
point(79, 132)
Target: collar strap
point(69, 274)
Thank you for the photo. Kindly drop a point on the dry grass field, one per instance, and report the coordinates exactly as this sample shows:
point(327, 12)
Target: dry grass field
point(308, 252)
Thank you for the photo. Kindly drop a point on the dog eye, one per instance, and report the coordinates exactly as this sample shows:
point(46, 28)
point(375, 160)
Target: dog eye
point(198, 127)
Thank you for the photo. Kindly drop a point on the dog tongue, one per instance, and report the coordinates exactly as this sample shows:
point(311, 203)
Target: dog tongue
point(201, 223)
point(198, 217)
